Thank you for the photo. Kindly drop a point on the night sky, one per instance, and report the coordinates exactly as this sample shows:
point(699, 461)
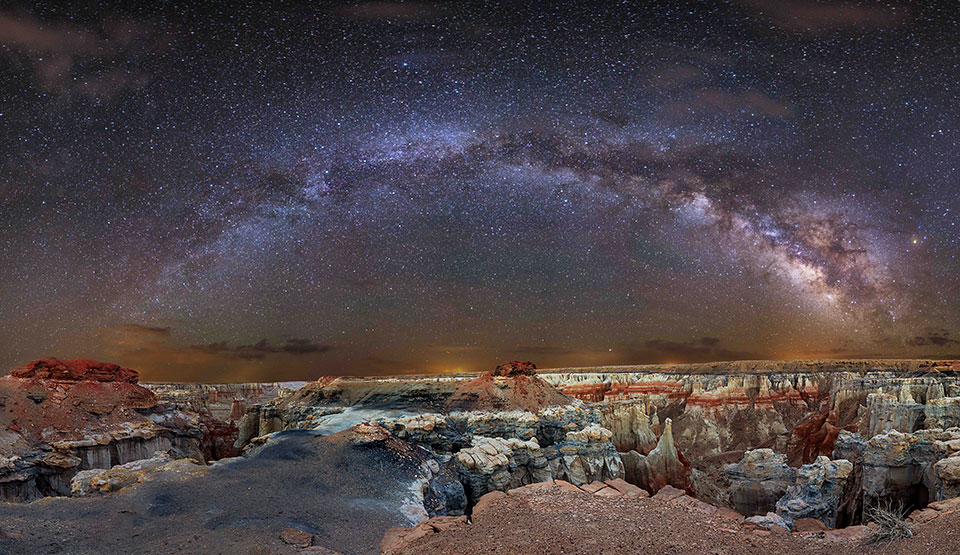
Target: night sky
point(282, 191)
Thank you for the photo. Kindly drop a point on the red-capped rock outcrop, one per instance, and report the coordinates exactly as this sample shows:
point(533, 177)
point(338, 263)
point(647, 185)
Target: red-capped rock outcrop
point(511, 386)
point(63, 416)
point(74, 371)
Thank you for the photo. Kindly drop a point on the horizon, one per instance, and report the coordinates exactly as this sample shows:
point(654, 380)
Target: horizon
point(249, 195)
point(681, 366)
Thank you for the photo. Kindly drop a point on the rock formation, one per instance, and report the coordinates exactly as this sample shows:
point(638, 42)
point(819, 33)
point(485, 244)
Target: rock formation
point(758, 481)
point(817, 492)
point(106, 480)
point(61, 417)
point(585, 456)
point(630, 424)
point(664, 465)
point(511, 386)
point(495, 464)
point(672, 425)
point(902, 468)
point(795, 407)
point(814, 438)
point(219, 438)
point(224, 401)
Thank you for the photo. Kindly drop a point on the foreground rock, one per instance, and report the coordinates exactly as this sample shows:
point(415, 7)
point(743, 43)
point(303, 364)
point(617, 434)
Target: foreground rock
point(344, 490)
point(556, 517)
point(102, 480)
point(758, 481)
point(61, 417)
point(819, 489)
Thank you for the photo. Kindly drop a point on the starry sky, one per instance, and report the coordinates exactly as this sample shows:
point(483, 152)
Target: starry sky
point(279, 191)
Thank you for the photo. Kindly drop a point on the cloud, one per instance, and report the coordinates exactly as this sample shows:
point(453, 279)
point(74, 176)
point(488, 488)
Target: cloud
point(742, 104)
point(262, 348)
point(816, 17)
point(704, 349)
point(938, 338)
point(95, 62)
point(140, 329)
point(544, 350)
point(158, 355)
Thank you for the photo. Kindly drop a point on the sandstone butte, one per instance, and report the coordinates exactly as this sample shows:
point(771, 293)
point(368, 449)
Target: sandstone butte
point(67, 396)
point(511, 386)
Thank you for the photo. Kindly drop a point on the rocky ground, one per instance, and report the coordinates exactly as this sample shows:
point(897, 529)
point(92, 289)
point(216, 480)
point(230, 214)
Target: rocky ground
point(559, 519)
point(354, 464)
point(342, 491)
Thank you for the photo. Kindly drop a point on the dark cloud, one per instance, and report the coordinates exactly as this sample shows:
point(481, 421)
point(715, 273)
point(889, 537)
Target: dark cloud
point(544, 350)
point(141, 330)
point(705, 349)
point(936, 339)
point(94, 61)
point(262, 348)
point(748, 104)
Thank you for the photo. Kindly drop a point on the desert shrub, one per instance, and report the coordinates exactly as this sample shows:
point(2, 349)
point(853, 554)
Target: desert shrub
point(889, 517)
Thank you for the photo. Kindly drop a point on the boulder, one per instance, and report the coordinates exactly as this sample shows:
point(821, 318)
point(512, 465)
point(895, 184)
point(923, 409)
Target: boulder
point(817, 493)
point(948, 477)
point(399, 537)
point(296, 537)
point(768, 521)
point(758, 481)
point(161, 465)
point(626, 489)
point(808, 525)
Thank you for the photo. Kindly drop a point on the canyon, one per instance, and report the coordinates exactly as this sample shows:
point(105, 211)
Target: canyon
point(788, 446)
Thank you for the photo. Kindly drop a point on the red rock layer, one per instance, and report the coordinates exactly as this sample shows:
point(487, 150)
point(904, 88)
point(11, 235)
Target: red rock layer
point(675, 390)
point(75, 371)
point(814, 438)
point(516, 368)
point(218, 438)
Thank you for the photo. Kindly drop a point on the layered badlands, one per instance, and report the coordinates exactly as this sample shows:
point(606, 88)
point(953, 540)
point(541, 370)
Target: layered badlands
point(778, 445)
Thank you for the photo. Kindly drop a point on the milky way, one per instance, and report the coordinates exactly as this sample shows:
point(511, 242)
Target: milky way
point(286, 192)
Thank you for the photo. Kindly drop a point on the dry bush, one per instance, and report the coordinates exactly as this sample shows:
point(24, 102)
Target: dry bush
point(889, 517)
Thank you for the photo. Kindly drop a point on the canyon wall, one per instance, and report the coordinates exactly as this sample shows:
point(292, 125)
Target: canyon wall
point(798, 408)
